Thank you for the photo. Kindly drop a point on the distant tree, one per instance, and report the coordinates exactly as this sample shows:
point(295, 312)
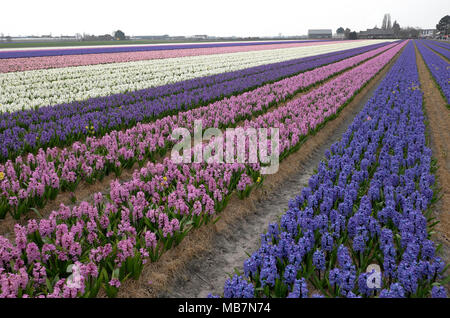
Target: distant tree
point(340, 30)
point(347, 33)
point(119, 35)
point(396, 28)
point(353, 36)
point(409, 33)
point(8, 39)
point(389, 24)
point(413, 33)
point(384, 23)
point(444, 25)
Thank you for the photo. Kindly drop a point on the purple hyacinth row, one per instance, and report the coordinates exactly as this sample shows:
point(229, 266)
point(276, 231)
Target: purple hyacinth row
point(367, 204)
point(60, 125)
point(117, 49)
point(438, 48)
point(111, 239)
point(31, 182)
point(445, 45)
point(438, 67)
point(442, 44)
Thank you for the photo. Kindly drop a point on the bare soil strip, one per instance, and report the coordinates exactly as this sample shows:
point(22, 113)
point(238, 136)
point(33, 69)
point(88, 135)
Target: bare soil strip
point(199, 265)
point(439, 136)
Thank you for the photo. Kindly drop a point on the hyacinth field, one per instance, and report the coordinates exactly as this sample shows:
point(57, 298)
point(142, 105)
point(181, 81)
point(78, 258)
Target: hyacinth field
point(92, 198)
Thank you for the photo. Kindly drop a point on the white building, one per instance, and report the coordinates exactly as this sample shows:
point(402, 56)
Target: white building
point(427, 33)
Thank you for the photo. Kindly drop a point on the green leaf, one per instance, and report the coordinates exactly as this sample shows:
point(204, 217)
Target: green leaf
point(445, 281)
point(49, 285)
point(217, 219)
point(37, 212)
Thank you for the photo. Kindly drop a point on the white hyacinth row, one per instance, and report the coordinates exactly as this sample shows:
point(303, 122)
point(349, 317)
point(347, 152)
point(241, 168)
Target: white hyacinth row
point(37, 88)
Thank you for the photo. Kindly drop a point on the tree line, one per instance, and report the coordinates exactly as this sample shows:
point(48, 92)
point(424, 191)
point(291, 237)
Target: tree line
point(443, 28)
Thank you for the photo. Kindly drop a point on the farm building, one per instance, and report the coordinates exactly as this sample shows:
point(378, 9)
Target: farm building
point(200, 36)
point(320, 34)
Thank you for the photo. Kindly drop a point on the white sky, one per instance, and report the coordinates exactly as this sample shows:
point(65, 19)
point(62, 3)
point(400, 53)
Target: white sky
point(212, 17)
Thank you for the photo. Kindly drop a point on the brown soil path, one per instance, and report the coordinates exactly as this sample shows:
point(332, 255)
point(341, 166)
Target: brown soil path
point(439, 136)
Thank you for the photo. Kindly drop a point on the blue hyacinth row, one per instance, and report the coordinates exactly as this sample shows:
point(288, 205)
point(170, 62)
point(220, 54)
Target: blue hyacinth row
point(438, 48)
point(438, 67)
point(367, 205)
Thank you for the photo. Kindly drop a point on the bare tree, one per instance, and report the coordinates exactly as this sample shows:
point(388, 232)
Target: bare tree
point(387, 24)
point(396, 28)
point(384, 23)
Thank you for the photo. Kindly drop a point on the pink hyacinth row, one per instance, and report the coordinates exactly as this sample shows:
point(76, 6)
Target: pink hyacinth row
point(46, 62)
point(27, 182)
point(116, 235)
point(163, 198)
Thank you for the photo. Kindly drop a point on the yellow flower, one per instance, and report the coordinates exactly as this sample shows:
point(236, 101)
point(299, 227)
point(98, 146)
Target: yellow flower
point(87, 127)
point(2, 176)
point(258, 180)
point(165, 178)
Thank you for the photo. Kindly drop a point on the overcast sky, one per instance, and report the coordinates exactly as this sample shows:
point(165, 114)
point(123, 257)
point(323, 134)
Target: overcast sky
point(221, 18)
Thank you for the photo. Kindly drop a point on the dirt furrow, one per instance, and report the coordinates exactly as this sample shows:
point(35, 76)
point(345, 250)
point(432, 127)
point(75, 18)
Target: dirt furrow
point(438, 127)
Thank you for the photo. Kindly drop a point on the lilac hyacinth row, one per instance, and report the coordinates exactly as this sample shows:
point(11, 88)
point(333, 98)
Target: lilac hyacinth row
point(46, 62)
point(438, 67)
point(442, 44)
point(367, 204)
point(116, 49)
point(63, 124)
point(442, 50)
point(111, 239)
point(31, 182)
